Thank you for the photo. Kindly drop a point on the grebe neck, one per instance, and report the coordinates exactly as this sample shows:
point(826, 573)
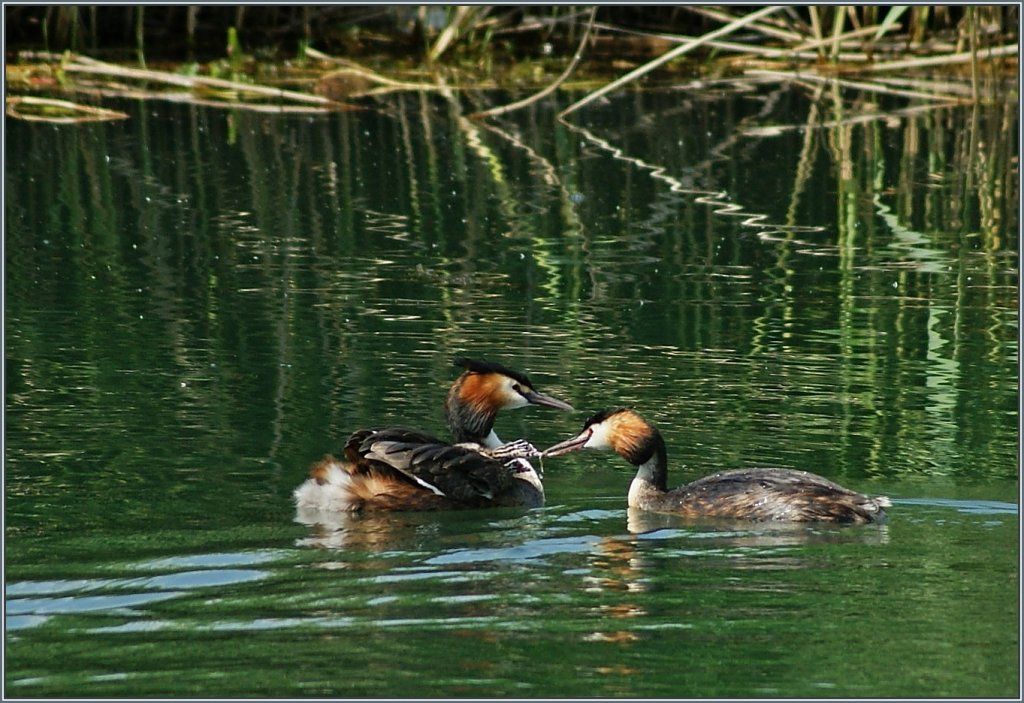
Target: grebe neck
point(654, 469)
point(469, 424)
point(491, 441)
point(651, 481)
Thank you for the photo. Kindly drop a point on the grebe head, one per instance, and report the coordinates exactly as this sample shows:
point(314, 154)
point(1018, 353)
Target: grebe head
point(620, 430)
point(625, 432)
point(481, 391)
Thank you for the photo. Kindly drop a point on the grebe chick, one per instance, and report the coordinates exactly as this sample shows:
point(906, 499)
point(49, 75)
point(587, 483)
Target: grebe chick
point(401, 469)
point(747, 494)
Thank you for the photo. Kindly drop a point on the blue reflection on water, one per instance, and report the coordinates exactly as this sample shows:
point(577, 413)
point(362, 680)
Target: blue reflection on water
point(520, 552)
point(84, 604)
point(974, 507)
point(30, 603)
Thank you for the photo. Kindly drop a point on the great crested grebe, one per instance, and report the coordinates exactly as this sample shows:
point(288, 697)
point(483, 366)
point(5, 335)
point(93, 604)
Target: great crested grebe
point(401, 469)
point(745, 494)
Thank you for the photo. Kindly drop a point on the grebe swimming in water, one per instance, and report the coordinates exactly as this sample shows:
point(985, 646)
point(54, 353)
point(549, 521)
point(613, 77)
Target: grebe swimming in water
point(748, 494)
point(401, 469)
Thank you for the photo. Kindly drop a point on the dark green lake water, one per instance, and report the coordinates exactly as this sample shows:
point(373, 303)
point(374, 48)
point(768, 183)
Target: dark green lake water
point(200, 302)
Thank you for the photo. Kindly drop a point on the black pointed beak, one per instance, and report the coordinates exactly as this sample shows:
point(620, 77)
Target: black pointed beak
point(535, 398)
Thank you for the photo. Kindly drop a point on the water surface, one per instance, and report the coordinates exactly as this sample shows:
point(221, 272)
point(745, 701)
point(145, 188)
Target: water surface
point(201, 302)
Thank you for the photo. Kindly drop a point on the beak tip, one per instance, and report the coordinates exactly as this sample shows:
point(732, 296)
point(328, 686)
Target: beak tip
point(549, 401)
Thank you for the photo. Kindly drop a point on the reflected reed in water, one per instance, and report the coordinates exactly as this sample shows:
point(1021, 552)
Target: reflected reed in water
point(200, 303)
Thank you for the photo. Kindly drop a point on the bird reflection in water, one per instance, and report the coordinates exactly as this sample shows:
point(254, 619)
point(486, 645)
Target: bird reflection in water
point(364, 532)
point(743, 533)
point(625, 567)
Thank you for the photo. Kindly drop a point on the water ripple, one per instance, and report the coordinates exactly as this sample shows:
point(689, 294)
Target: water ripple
point(522, 552)
point(974, 507)
point(29, 603)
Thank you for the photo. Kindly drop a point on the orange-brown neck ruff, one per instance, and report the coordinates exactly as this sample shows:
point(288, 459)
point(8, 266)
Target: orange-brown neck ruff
point(629, 436)
point(472, 405)
point(639, 443)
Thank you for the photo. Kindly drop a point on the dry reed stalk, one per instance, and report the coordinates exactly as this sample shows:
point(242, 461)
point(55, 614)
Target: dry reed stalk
point(816, 30)
point(928, 85)
point(852, 34)
point(668, 56)
point(48, 56)
point(256, 107)
point(86, 65)
point(82, 113)
point(464, 14)
point(387, 84)
point(370, 74)
point(551, 88)
point(765, 29)
point(860, 85)
point(761, 51)
point(945, 59)
point(838, 21)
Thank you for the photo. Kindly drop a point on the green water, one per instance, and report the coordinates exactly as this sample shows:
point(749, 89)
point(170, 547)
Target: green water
point(201, 302)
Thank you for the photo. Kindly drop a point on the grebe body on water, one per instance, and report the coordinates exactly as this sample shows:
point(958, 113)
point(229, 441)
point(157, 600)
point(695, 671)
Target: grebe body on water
point(748, 494)
point(396, 468)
